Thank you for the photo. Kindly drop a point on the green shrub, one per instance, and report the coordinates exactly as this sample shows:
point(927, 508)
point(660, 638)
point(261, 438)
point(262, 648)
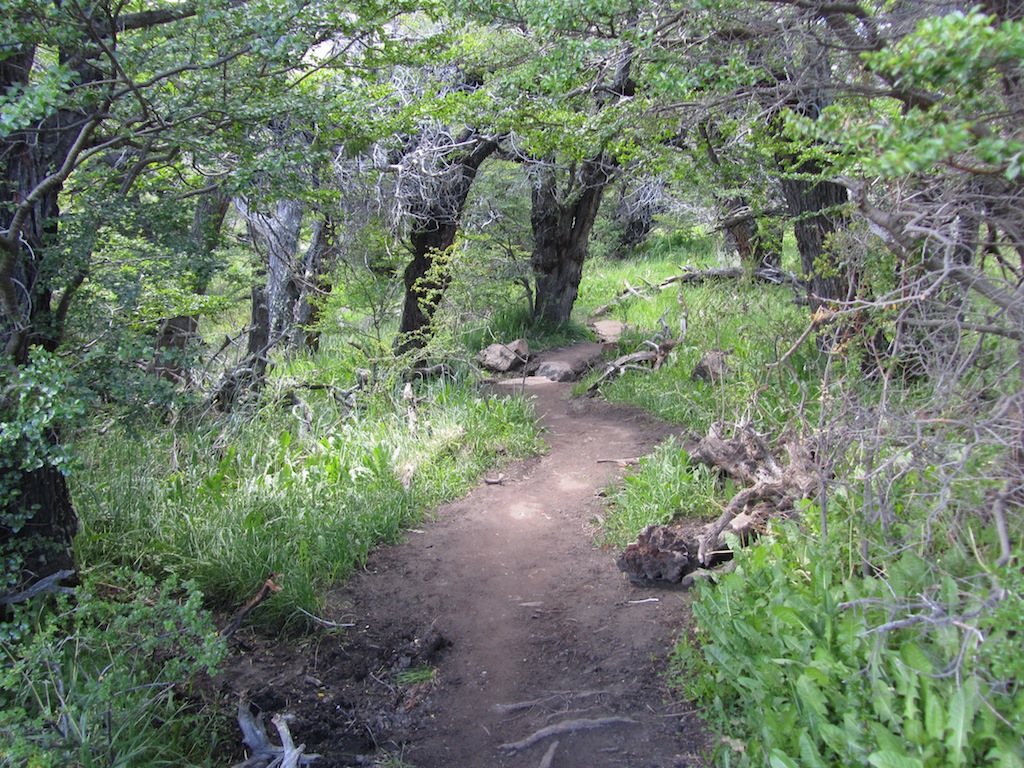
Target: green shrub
point(802, 662)
point(107, 680)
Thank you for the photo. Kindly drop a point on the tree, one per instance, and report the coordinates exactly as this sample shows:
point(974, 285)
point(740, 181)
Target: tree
point(104, 88)
point(434, 177)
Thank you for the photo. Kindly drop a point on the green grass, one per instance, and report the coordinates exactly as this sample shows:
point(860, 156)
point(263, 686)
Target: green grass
point(513, 323)
point(665, 487)
point(231, 500)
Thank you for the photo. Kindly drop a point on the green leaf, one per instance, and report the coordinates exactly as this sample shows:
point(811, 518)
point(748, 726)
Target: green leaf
point(915, 658)
point(962, 707)
point(811, 696)
point(779, 759)
point(889, 759)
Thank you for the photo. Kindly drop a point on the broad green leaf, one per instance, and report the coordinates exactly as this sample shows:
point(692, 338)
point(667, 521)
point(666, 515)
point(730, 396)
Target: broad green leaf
point(888, 759)
point(811, 696)
point(915, 658)
point(779, 759)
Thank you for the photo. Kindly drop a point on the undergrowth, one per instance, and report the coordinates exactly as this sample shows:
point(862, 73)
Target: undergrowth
point(109, 679)
point(304, 493)
point(882, 631)
point(802, 661)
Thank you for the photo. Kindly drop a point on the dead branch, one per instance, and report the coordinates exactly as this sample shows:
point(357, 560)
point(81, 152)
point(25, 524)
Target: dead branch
point(566, 726)
point(264, 754)
point(692, 276)
point(773, 489)
point(654, 358)
point(269, 587)
point(48, 584)
point(626, 293)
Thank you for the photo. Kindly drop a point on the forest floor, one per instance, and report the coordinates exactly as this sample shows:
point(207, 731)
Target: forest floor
point(499, 618)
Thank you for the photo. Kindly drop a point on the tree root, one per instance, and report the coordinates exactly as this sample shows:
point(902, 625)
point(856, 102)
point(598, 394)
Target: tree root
point(549, 756)
point(567, 726)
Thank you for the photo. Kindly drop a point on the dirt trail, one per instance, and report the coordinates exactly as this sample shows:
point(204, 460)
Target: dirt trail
point(525, 621)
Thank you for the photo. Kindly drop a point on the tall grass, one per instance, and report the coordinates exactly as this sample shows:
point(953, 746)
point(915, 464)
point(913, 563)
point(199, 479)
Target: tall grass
point(227, 502)
point(754, 323)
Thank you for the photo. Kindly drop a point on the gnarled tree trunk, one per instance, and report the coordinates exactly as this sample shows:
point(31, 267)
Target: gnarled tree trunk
point(562, 222)
point(435, 226)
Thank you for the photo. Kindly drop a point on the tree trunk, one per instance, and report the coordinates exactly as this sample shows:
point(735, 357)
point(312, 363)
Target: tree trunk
point(435, 225)
point(816, 209)
point(39, 497)
point(43, 545)
point(561, 234)
point(426, 278)
point(277, 235)
point(314, 266)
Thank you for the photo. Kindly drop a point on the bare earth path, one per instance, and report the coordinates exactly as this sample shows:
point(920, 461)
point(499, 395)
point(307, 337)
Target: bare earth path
point(527, 623)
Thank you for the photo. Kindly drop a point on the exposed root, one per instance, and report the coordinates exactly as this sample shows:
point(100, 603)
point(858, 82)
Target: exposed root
point(549, 756)
point(264, 754)
point(567, 726)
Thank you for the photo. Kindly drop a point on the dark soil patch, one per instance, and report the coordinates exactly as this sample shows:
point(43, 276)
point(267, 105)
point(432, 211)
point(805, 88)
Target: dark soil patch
point(498, 619)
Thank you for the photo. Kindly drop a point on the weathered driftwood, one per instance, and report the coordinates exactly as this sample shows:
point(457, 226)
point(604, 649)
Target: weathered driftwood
point(772, 488)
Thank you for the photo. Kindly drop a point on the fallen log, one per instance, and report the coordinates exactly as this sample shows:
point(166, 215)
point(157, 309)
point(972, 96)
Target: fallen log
point(772, 489)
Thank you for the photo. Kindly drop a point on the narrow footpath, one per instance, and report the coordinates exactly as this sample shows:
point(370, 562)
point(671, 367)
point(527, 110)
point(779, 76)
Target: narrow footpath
point(545, 655)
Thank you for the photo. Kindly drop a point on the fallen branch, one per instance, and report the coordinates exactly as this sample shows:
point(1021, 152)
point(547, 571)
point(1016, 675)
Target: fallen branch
point(48, 584)
point(765, 274)
point(771, 490)
point(567, 726)
point(654, 357)
point(692, 276)
point(269, 587)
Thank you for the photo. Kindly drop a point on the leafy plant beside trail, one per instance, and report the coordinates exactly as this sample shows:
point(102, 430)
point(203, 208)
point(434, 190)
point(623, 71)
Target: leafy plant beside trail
point(801, 661)
point(107, 679)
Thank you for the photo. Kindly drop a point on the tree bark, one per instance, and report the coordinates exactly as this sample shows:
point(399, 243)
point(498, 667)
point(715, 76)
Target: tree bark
point(561, 234)
point(277, 235)
point(435, 226)
point(44, 543)
point(817, 211)
point(314, 265)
